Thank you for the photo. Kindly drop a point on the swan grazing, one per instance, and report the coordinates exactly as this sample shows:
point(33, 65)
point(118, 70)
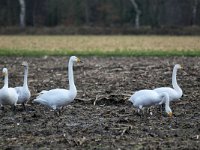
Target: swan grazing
point(146, 98)
point(8, 96)
point(56, 98)
point(176, 92)
point(23, 91)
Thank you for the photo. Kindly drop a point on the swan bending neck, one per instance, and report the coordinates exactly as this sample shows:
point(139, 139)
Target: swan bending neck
point(165, 97)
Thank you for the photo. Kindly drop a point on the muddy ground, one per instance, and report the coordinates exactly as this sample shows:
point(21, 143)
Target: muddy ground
point(101, 117)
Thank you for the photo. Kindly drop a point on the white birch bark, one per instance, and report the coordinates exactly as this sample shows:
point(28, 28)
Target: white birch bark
point(194, 12)
point(22, 13)
point(138, 13)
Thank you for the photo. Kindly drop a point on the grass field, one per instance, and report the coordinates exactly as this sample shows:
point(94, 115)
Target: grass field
point(100, 45)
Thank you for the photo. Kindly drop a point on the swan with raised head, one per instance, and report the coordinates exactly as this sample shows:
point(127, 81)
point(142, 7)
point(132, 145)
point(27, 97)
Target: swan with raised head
point(176, 92)
point(8, 96)
point(146, 98)
point(56, 98)
point(23, 91)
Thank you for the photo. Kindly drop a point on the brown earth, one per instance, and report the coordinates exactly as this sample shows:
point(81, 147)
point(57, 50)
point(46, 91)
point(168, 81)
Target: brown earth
point(101, 117)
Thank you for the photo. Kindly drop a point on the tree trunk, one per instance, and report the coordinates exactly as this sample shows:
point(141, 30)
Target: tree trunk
point(138, 13)
point(22, 13)
point(194, 12)
point(87, 16)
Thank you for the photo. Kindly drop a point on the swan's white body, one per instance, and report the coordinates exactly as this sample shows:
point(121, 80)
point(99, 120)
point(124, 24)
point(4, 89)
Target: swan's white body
point(56, 98)
point(176, 92)
point(8, 96)
point(23, 91)
point(146, 98)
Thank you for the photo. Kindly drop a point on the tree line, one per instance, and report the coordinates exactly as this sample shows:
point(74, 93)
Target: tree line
point(111, 13)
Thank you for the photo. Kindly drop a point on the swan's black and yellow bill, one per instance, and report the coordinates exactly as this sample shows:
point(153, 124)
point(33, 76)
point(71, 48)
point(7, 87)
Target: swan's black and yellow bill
point(78, 60)
point(170, 114)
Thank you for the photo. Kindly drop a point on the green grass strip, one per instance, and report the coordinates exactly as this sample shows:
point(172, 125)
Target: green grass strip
point(125, 53)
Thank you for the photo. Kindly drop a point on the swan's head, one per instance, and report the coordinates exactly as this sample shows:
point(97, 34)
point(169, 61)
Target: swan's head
point(169, 112)
point(177, 66)
point(25, 64)
point(5, 71)
point(75, 59)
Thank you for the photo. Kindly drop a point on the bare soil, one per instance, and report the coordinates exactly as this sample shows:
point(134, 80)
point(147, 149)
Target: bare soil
point(101, 116)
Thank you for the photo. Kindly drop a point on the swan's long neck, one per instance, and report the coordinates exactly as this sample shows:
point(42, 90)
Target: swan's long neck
point(72, 86)
point(165, 100)
point(174, 82)
point(6, 81)
point(25, 77)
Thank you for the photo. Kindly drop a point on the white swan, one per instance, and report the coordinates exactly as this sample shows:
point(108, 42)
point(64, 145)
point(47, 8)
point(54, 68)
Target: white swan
point(146, 98)
point(176, 92)
point(8, 96)
point(23, 91)
point(56, 98)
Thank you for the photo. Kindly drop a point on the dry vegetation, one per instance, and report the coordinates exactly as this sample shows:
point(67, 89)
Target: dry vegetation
point(105, 43)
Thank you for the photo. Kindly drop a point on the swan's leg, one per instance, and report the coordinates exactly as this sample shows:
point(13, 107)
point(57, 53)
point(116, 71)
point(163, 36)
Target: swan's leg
point(146, 112)
point(150, 111)
point(14, 109)
point(138, 112)
point(57, 112)
point(24, 107)
point(61, 109)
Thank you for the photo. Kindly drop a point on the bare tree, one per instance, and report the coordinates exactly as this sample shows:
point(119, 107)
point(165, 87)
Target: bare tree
point(22, 13)
point(138, 13)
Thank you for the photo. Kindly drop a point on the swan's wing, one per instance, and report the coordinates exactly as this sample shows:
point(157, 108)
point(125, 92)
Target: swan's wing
point(55, 98)
point(172, 93)
point(8, 96)
point(23, 94)
point(164, 89)
point(144, 98)
point(13, 95)
point(19, 90)
point(43, 91)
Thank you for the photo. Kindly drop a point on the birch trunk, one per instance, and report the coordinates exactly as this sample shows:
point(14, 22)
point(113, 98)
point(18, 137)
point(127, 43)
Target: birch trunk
point(138, 13)
point(22, 13)
point(194, 12)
